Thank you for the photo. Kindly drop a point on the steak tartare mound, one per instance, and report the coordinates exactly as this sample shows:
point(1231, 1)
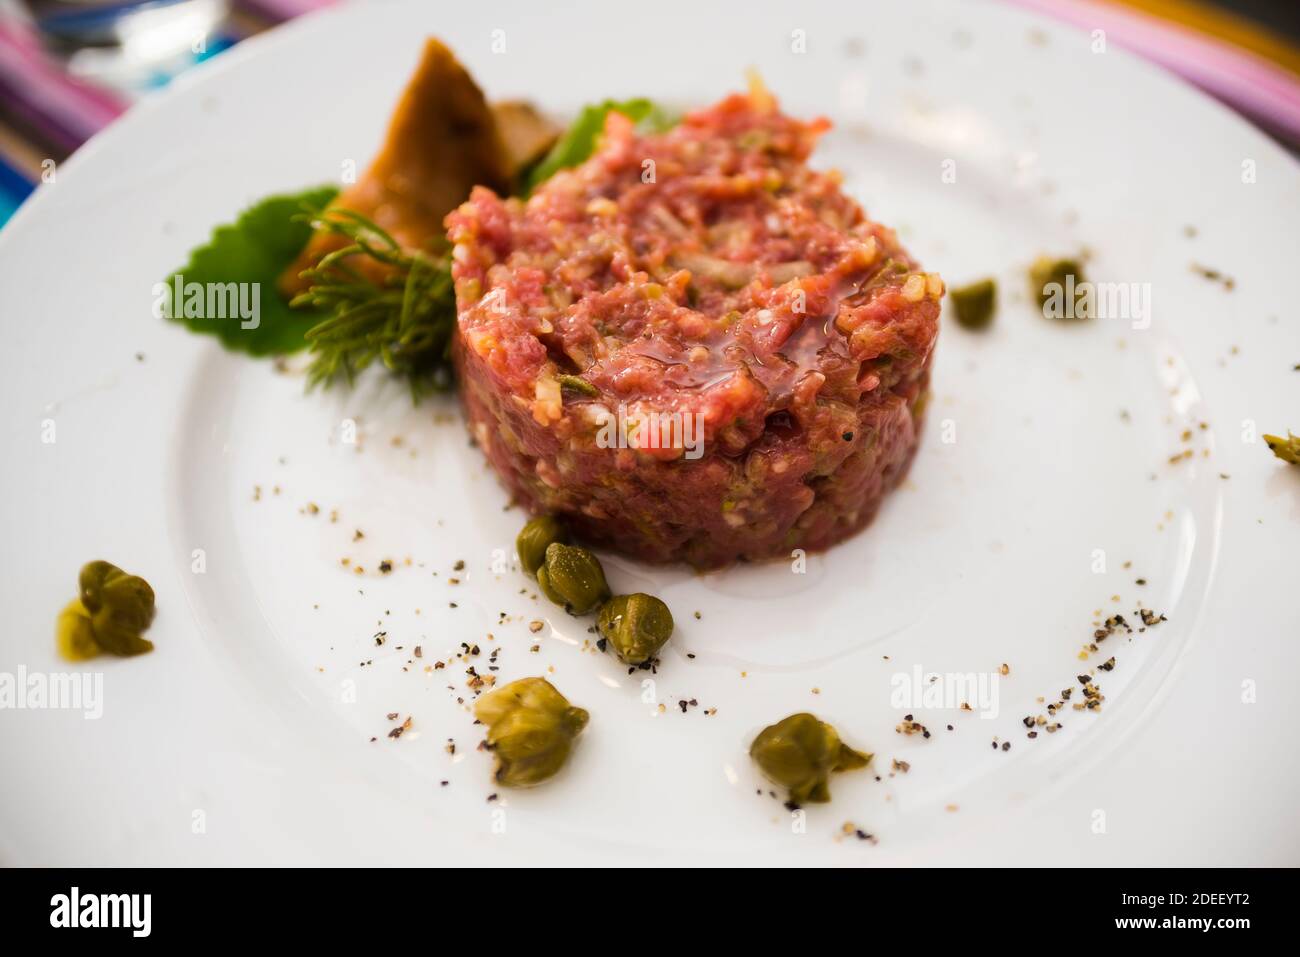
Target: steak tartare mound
point(693, 346)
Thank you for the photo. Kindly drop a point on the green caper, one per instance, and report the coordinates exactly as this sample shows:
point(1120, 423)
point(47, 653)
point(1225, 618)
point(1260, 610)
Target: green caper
point(120, 608)
point(531, 729)
point(800, 752)
point(1052, 280)
point(534, 539)
point(1288, 449)
point(571, 576)
point(636, 625)
point(974, 304)
point(75, 637)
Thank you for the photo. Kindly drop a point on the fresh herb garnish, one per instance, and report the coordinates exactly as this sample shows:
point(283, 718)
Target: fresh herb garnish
point(400, 311)
point(578, 142)
point(252, 251)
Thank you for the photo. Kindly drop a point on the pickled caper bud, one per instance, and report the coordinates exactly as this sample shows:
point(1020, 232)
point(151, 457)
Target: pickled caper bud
point(536, 536)
point(120, 608)
point(571, 576)
point(636, 625)
point(974, 304)
point(800, 752)
point(1288, 449)
point(531, 729)
point(75, 637)
point(1058, 285)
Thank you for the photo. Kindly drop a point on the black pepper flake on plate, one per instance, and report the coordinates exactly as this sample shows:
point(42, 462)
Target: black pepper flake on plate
point(910, 727)
point(1214, 275)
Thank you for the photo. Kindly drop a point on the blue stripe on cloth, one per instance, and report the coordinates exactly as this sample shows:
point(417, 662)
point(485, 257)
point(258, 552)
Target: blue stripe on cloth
point(14, 188)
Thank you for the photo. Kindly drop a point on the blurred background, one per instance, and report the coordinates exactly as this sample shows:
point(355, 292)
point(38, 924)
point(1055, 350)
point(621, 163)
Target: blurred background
point(68, 68)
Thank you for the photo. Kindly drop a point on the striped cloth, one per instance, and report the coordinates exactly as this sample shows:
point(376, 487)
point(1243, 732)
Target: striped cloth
point(1255, 71)
point(45, 114)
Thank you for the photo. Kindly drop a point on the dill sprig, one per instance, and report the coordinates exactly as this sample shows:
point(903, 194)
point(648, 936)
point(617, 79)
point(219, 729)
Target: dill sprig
point(404, 318)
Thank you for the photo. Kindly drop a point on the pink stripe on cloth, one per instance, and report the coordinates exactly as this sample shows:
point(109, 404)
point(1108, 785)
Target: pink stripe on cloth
point(62, 107)
point(284, 9)
point(1253, 85)
point(67, 111)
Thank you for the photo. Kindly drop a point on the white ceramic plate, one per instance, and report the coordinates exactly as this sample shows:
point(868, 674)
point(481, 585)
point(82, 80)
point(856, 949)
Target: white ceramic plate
point(247, 735)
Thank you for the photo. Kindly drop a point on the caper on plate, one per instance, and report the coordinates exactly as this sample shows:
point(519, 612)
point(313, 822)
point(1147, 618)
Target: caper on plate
point(531, 729)
point(573, 577)
point(111, 614)
point(535, 537)
point(800, 753)
point(636, 626)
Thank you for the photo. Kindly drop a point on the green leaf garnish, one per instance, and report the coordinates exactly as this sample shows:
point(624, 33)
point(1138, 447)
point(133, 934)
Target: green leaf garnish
point(579, 140)
point(252, 252)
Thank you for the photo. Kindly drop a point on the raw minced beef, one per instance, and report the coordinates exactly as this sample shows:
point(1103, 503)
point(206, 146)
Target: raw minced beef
point(704, 277)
